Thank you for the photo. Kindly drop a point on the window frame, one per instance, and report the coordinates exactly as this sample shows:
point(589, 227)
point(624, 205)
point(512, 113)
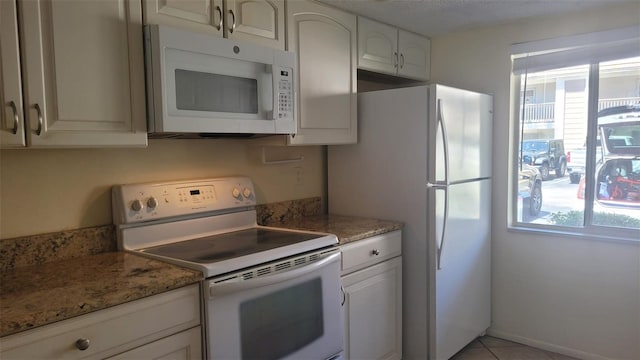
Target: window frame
point(588, 229)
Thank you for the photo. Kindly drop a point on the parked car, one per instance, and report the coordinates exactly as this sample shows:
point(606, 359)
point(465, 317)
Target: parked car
point(546, 155)
point(530, 189)
point(576, 158)
point(618, 175)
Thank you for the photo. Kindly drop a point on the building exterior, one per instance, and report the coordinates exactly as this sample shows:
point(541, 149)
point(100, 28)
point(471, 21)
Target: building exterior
point(555, 101)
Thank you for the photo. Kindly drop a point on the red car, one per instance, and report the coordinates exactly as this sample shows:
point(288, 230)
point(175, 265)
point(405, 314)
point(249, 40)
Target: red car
point(618, 175)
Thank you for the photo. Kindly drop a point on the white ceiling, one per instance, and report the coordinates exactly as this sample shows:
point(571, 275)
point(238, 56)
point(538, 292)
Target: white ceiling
point(435, 17)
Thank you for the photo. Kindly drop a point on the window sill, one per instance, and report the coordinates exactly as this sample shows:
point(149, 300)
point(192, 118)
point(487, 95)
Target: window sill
point(594, 234)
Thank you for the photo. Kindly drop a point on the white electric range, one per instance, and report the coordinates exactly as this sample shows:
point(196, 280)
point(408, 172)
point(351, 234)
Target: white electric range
point(269, 293)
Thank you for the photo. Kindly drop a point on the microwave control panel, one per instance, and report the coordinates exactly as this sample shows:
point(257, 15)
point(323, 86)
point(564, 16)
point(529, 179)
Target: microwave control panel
point(285, 91)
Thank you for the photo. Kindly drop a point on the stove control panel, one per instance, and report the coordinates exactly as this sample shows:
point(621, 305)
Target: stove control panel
point(133, 203)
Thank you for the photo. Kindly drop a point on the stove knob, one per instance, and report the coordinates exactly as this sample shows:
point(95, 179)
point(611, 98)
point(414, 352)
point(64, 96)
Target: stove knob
point(236, 193)
point(246, 192)
point(136, 205)
point(152, 203)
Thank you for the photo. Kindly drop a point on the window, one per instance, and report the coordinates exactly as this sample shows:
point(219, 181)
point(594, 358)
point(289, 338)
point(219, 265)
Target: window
point(528, 96)
point(577, 154)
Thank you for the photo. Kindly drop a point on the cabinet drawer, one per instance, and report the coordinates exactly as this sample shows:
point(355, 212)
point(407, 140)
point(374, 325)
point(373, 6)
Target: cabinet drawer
point(363, 253)
point(186, 345)
point(110, 331)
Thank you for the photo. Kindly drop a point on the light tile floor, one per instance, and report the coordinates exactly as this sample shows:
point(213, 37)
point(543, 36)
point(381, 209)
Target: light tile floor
point(491, 348)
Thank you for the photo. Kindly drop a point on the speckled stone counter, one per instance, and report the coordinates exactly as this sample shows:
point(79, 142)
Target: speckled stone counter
point(346, 228)
point(37, 295)
point(42, 248)
point(285, 211)
point(52, 277)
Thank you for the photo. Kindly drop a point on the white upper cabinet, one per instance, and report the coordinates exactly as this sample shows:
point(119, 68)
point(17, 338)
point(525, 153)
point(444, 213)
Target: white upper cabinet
point(324, 40)
point(413, 52)
point(258, 21)
point(197, 15)
point(12, 117)
point(377, 46)
point(386, 49)
point(83, 79)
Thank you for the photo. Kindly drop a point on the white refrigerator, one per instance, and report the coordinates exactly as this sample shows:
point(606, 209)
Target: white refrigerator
point(424, 158)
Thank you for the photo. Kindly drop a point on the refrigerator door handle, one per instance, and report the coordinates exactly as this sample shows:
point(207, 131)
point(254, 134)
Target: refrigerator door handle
point(442, 185)
point(445, 141)
point(441, 244)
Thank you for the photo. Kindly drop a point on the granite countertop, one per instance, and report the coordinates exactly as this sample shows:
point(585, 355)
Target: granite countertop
point(37, 295)
point(53, 277)
point(346, 228)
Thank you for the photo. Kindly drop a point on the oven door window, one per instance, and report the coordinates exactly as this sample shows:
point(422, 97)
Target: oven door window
point(207, 86)
point(278, 324)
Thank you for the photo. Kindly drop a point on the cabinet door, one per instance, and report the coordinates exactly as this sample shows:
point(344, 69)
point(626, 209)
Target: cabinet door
point(83, 73)
point(258, 21)
point(373, 312)
point(186, 345)
point(11, 118)
point(113, 330)
point(414, 53)
point(377, 46)
point(198, 15)
point(324, 39)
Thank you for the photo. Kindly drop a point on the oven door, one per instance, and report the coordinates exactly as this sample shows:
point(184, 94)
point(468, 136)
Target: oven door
point(292, 314)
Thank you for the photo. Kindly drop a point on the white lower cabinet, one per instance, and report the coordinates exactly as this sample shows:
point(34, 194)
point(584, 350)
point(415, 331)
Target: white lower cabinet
point(185, 345)
point(164, 326)
point(372, 281)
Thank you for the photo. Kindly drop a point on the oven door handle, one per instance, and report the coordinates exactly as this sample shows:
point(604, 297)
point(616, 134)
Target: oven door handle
point(216, 290)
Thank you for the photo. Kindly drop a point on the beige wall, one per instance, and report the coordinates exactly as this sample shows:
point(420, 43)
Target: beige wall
point(50, 190)
point(571, 294)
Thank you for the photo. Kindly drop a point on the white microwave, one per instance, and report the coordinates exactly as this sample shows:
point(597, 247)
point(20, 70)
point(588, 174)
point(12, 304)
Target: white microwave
point(203, 86)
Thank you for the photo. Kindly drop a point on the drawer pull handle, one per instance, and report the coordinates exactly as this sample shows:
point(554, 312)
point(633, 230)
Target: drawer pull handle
point(83, 344)
point(375, 252)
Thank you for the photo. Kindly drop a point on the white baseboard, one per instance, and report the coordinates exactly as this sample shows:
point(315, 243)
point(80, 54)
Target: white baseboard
point(547, 346)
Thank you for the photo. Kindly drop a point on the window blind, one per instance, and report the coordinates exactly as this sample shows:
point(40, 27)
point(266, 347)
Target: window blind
point(576, 50)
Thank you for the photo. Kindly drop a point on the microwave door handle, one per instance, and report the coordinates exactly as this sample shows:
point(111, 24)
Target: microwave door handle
point(216, 290)
point(275, 99)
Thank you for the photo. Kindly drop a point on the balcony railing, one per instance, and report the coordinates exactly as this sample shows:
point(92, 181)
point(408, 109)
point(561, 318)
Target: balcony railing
point(539, 113)
point(545, 112)
point(607, 103)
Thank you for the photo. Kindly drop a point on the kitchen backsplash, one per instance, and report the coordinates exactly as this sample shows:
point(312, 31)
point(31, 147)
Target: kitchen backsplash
point(42, 248)
point(269, 214)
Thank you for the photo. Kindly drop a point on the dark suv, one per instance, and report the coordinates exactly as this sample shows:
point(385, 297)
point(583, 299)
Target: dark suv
point(546, 155)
